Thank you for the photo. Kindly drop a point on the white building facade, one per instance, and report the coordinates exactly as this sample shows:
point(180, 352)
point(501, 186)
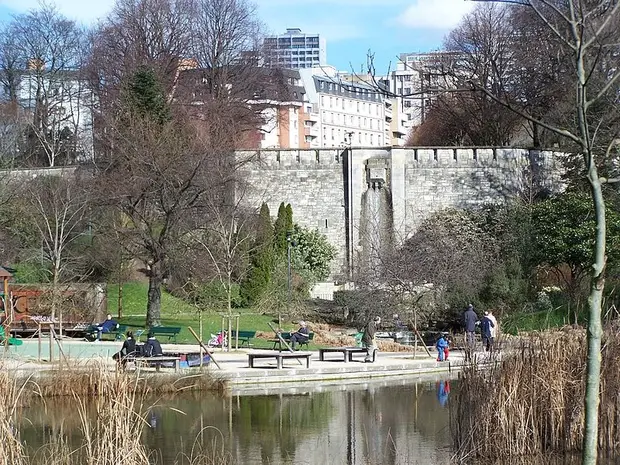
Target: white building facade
point(340, 113)
point(295, 49)
point(60, 108)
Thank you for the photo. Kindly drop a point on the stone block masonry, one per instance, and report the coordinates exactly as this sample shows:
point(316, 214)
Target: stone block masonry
point(326, 187)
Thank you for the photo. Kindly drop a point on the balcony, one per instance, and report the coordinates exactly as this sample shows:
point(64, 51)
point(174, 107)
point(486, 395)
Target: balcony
point(314, 117)
point(312, 131)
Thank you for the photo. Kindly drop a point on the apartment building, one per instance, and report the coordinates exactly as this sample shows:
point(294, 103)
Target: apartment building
point(294, 50)
point(340, 113)
point(418, 78)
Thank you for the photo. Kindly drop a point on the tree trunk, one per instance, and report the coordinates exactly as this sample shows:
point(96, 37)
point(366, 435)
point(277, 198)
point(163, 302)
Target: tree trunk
point(595, 327)
point(535, 135)
point(229, 304)
point(153, 306)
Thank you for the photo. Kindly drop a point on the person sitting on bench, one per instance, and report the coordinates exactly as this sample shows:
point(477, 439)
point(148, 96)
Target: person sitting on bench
point(152, 347)
point(301, 335)
point(130, 348)
point(107, 326)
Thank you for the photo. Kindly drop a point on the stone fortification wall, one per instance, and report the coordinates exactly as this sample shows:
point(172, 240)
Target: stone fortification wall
point(310, 180)
point(435, 179)
point(325, 187)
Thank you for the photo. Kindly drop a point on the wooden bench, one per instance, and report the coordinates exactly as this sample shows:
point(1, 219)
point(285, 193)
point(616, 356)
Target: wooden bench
point(170, 331)
point(347, 352)
point(244, 337)
point(287, 337)
point(116, 334)
point(156, 361)
point(280, 356)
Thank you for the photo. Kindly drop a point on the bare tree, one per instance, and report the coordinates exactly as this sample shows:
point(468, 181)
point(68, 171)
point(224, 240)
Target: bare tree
point(587, 31)
point(155, 34)
point(483, 44)
point(41, 57)
point(224, 236)
point(57, 207)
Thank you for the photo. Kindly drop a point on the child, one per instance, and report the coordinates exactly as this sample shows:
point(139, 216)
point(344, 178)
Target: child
point(442, 347)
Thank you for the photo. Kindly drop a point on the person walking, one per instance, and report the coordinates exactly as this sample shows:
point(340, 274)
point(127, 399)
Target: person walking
point(368, 339)
point(486, 328)
point(469, 321)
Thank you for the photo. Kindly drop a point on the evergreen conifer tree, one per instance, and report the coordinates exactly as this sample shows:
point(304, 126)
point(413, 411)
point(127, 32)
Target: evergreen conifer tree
point(261, 258)
point(283, 225)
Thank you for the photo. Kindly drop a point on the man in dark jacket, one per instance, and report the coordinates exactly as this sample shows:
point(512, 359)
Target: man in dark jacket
point(129, 349)
point(469, 321)
point(368, 339)
point(152, 347)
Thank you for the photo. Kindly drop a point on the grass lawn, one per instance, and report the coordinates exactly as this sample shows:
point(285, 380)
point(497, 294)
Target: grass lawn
point(539, 321)
point(176, 312)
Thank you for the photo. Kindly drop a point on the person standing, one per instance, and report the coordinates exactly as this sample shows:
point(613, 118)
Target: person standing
point(442, 346)
point(469, 321)
point(301, 335)
point(486, 327)
point(494, 328)
point(368, 339)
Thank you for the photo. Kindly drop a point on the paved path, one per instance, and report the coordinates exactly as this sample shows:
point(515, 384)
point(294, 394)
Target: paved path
point(235, 368)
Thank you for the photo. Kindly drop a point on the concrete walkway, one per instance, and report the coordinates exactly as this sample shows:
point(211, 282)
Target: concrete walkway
point(235, 368)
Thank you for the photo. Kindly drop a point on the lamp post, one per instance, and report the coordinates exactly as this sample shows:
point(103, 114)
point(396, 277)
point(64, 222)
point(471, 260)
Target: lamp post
point(289, 243)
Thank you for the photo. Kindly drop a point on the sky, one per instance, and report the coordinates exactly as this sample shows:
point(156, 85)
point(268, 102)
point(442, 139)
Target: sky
point(352, 28)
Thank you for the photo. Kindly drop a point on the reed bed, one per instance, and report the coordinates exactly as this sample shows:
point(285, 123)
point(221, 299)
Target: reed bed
point(96, 379)
point(12, 451)
point(531, 403)
point(110, 412)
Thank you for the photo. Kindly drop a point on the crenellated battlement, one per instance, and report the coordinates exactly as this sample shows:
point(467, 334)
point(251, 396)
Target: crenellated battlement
point(420, 157)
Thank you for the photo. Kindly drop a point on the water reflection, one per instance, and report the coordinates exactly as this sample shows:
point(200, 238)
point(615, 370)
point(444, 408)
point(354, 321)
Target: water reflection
point(364, 424)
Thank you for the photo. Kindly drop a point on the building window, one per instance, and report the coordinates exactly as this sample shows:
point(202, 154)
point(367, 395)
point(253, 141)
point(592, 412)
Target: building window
point(333, 134)
point(358, 107)
point(372, 139)
point(359, 137)
point(331, 101)
point(322, 101)
point(407, 103)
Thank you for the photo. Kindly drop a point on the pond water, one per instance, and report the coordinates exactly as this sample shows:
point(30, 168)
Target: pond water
point(404, 423)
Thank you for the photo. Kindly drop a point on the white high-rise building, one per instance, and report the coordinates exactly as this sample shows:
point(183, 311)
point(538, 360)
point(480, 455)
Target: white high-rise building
point(295, 49)
point(418, 78)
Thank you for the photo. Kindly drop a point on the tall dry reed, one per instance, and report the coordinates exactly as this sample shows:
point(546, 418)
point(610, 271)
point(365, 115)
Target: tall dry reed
point(531, 403)
point(86, 380)
point(12, 451)
point(111, 410)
